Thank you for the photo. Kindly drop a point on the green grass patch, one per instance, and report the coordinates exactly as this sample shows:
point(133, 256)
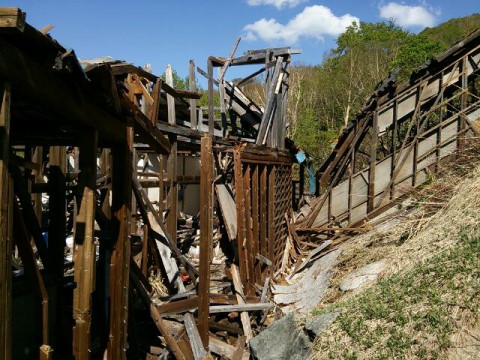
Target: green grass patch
point(410, 314)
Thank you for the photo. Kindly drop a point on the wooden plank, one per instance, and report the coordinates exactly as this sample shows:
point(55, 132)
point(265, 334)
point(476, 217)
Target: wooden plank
point(12, 18)
point(244, 308)
point(250, 288)
point(192, 86)
point(264, 216)
point(239, 348)
point(57, 228)
point(84, 258)
point(228, 209)
point(199, 352)
point(373, 163)
point(157, 318)
point(120, 259)
point(6, 224)
point(240, 203)
point(145, 251)
point(34, 277)
point(206, 235)
point(237, 284)
point(225, 350)
point(172, 194)
point(255, 248)
point(210, 98)
point(267, 114)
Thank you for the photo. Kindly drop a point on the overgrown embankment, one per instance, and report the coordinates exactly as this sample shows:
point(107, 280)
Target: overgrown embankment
point(427, 303)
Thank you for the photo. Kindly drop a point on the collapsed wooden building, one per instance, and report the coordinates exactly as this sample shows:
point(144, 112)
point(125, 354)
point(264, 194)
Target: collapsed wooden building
point(135, 222)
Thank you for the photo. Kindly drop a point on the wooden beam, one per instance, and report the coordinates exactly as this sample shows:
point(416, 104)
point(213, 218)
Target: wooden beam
point(237, 284)
point(57, 228)
point(206, 235)
point(84, 246)
point(34, 277)
point(193, 87)
point(49, 91)
point(120, 260)
point(210, 98)
point(12, 18)
point(199, 352)
point(172, 192)
point(6, 225)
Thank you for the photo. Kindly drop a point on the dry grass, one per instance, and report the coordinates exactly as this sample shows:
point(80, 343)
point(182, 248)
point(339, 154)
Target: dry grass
point(431, 285)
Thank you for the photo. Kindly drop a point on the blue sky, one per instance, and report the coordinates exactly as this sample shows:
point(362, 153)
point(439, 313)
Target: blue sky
point(162, 32)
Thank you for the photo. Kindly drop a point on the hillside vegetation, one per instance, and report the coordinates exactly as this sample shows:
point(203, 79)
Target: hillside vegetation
point(426, 305)
point(325, 97)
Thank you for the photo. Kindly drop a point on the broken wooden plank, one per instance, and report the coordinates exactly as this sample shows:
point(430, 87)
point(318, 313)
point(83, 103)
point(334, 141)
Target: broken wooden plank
point(206, 235)
point(157, 318)
point(244, 308)
point(228, 208)
point(237, 284)
point(199, 352)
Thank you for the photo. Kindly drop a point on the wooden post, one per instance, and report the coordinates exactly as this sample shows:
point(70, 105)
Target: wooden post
point(172, 192)
point(6, 227)
point(37, 198)
point(373, 162)
point(206, 235)
point(210, 98)
point(57, 227)
point(192, 87)
point(120, 261)
point(84, 243)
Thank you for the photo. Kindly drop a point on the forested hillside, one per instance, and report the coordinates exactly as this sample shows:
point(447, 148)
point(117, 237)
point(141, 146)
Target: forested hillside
point(325, 97)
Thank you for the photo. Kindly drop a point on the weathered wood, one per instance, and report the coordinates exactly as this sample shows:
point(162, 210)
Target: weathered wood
point(6, 225)
point(33, 275)
point(225, 350)
point(12, 18)
point(244, 308)
point(206, 235)
point(157, 318)
point(84, 258)
point(120, 259)
point(172, 192)
point(228, 209)
point(239, 348)
point(199, 352)
point(210, 98)
point(237, 284)
point(145, 251)
point(193, 87)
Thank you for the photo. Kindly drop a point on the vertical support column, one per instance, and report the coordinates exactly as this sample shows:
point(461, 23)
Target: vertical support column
point(85, 247)
point(206, 235)
point(241, 214)
point(6, 227)
point(373, 162)
point(57, 227)
point(120, 260)
point(37, 198)
point(172, 192)
point(193, 87)
point(210, 97)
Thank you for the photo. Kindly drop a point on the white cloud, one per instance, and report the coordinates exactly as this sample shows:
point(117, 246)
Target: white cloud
point(314, 21)
point(277, 3)
point(409, 16)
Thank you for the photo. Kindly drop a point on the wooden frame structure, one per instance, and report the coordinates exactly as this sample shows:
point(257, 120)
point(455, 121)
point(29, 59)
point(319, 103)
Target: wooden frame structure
point(399, 138)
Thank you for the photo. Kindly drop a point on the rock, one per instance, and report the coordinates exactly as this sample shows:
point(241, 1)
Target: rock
point(361, 276)
point(319, 323)
point(281, 340)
